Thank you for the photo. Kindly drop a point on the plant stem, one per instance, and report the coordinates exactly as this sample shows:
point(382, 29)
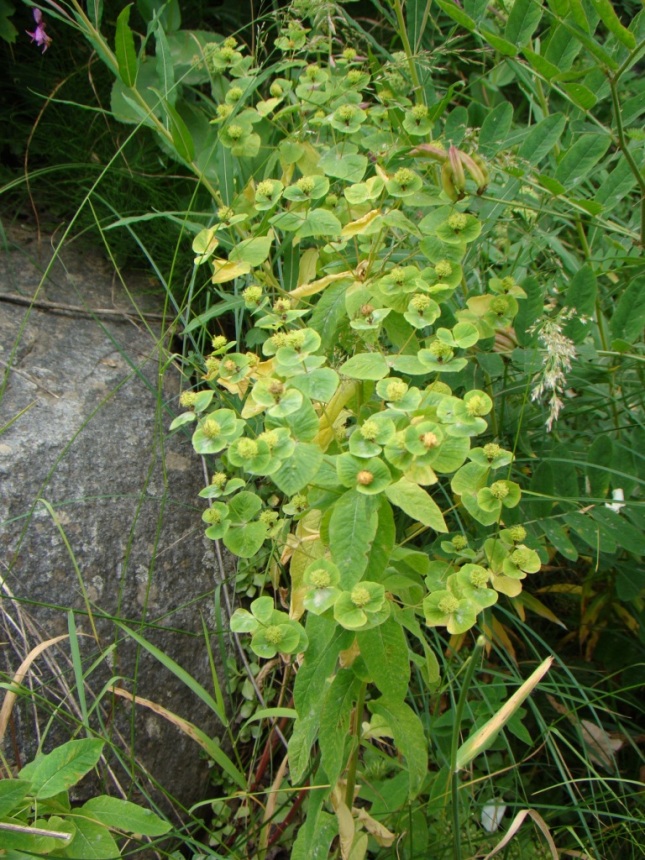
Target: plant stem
point(353, 759)
point(454, 745)
point(624, 148)
point(407, 47)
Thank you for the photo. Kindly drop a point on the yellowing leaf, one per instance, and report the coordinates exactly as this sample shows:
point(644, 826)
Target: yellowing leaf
point(485, 736)
point(318, 286)
point(380, 833)
point(307, 266)
point(225, 270)
point(360, 226)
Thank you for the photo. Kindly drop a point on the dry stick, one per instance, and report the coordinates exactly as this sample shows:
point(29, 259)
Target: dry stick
point(76, 310)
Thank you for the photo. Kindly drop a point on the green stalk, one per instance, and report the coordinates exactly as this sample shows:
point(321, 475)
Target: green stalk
point(407, 47)
point(471, 665)
point(353, 759)
point(624, 148)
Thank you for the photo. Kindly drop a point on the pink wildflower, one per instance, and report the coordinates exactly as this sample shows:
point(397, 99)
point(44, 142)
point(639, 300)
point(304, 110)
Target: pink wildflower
point(39, 36)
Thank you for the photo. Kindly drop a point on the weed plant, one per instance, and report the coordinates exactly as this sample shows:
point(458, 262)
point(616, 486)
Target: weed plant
point(413, 362)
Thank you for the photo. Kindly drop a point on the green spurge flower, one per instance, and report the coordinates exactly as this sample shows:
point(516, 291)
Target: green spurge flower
point(322, 578)
point(445, 609)
point(273, 632)
point(363, 607)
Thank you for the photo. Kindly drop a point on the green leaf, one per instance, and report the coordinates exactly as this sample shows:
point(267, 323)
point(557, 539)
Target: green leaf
point(541, 65)
point(416, 503)
point(334, 722)
point(601, 452)
point(612, 22)
point(524, 17)
point(342, 162)
point(91, 842)
point(581, 296)
point(319, 384)
point(352, 529)
point(530, 310)
point(165, 68)
point(329, 313)
point(326, 641)
point(186, 678)
point(506, 48)
point(12, 792)
point(495, 127)
point(244, 506)
point(409, 738)
point(385, 651)
point(580, 95)
point(623, 532)
point(366, 365)
point(126, 55)
point(591, 532)
point(63, 767)
point(252, 251)
point(558, 538)
point(457, 14)
point(245, 541)
point(299, 470)
point(579, 159)
point(126, 816)
point(181, 137)
point(542, 138)
point(629, 317)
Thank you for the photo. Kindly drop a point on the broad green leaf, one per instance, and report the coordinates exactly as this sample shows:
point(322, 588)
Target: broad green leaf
point(299, 470)
point(494, 129)
point(579, 159)
point(329, 313)
point(334, 722)
point(317, 832)
point(352, 529)
point(320, 222)
point(91, 842)
point(326, 641)
point(591, 44)
point(385, 651)
point(126, 816)
point(561, 50)
point(63, 767)
point(366, 365)
point(245, 541)
point(383, 543)
point(341, 163)
point(543, 484)
point(319, 384)
point(522, 22)
point(244, 506)
point(530, 310)
point(12, 792)
point(416, 503)
point(409, 738)
point(126, 55)
point(484, 737)
point(542, 138)
point(252, 251)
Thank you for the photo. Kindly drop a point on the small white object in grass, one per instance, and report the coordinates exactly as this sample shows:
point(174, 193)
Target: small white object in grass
point(492, 815)
point(618, 496)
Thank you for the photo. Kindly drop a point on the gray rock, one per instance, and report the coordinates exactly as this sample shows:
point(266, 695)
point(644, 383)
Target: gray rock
point(84, 413)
